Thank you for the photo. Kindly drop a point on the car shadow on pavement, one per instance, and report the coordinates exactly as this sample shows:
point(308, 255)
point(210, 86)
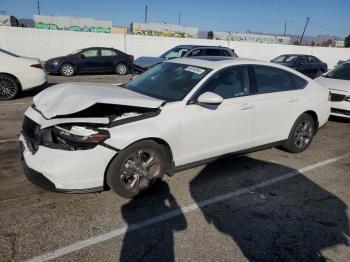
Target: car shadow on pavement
point(292, 220)
point(153, 243)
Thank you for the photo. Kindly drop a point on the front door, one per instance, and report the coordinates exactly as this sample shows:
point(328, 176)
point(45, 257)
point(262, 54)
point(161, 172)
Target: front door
point(209, 131)
point(89, 61)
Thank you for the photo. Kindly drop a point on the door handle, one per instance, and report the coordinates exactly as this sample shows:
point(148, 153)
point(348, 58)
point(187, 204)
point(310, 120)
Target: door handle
point(293, 99)
point(246, 106)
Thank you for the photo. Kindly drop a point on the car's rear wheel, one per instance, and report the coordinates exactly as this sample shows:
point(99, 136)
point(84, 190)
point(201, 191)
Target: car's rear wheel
point(136, 168)
point(121, 69)
point(67, 70)
point(9, 87)
point(301, 135)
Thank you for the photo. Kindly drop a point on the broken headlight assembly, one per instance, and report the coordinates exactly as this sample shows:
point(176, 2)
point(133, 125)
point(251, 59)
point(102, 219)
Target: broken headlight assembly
point(75, 137)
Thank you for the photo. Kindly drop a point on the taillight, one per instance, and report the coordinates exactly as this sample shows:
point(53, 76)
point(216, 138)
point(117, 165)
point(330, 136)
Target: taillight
point(131, 57)
point(37, 66)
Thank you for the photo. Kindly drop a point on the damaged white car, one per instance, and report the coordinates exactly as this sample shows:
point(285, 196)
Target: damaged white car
point(181, 113)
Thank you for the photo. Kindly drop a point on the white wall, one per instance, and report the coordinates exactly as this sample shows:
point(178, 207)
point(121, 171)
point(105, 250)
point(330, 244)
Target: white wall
point(45, 44)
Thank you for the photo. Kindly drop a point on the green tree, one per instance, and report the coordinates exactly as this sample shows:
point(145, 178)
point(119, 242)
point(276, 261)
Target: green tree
point(347, 41)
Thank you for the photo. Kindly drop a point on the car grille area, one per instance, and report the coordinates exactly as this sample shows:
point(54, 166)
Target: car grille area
point(32, 133)
point(337, 97)
point(340, 111)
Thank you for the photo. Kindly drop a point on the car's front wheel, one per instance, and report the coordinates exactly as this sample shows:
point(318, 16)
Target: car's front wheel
point(67, 70)
point(301, 135)
point(9, 87)
point(136, 168)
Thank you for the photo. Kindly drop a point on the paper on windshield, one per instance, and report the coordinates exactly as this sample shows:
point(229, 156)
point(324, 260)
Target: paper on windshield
point(195, 70)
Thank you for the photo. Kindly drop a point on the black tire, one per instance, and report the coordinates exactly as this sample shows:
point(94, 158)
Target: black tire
point(9, 87)
point(124, 171)
point(67, 70)
point(301, 135)
point(121, 69)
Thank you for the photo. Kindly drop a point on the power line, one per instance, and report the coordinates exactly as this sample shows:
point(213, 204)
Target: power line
point(302, 36)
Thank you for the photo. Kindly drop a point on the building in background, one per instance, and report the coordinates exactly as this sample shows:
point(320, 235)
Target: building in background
point(163, 29)
point(119, 30)
point(8, 20)
point(69, 23)
point(250, 37)
point(339, 43)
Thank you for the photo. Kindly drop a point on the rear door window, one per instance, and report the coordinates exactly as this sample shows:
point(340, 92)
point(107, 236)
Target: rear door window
point(108, 52)
point(212, 52)
point(271, 80)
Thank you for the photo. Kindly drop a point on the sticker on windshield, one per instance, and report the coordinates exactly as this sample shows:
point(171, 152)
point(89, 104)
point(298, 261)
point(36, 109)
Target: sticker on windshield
point(195, 70)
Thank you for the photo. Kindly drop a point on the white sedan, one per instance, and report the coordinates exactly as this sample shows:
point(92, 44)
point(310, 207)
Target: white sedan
point(338, 82)
point(179, 114)
point(19, 73)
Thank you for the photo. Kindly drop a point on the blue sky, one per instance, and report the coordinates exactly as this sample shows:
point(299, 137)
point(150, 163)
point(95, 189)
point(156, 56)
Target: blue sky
point(327, 16)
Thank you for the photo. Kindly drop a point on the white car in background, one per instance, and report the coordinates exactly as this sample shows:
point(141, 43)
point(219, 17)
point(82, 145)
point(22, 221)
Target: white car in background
point(18, 74)
point(338, 82)
point(179, 114)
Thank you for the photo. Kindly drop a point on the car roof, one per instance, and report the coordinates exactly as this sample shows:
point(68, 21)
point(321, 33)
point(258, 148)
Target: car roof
point(219, 62)
point(201, 46)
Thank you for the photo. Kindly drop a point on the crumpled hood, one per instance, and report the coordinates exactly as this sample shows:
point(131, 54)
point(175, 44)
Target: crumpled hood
point(334, 84)
point(69, 98)
point(146, 61)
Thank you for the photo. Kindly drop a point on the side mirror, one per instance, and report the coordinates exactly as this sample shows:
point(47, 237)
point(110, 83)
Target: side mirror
point(82, 56)
point(209, 98)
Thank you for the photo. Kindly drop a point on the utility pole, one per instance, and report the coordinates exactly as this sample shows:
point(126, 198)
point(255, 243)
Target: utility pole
point(302, 36)
point(38, 2)
point(285, 28)
point(146, 13)
point(179, 18)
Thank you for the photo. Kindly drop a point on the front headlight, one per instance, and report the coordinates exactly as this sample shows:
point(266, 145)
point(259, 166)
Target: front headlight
point(79, 137)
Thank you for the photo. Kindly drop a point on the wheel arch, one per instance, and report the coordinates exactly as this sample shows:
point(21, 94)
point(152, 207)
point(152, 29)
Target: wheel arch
point(169, 165)
point(18, 81)
point(314, 116)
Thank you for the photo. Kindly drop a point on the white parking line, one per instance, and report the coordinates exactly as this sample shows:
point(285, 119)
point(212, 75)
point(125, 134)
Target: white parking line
point(8, 140)
point(121, 231)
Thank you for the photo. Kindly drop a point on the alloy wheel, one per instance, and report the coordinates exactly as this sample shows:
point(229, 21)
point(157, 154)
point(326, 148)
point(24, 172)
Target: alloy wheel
point(303, 133)
point(67, 70)
point(140, 169)
point(8, 88)
point(121, 69)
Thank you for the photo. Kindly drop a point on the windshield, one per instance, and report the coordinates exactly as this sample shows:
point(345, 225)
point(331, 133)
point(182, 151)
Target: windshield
point(174, 53)
point(168, 81)
point(8, 53)
point(76, 52)
point(340, 72)
point(285, 59)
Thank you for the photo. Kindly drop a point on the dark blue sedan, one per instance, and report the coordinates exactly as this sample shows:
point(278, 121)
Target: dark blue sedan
point(91, 60)
point(309, 65)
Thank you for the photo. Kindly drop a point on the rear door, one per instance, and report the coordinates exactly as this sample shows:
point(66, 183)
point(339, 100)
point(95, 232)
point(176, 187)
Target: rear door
point(89, 60)
point(108, 59)
point(279, 95)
